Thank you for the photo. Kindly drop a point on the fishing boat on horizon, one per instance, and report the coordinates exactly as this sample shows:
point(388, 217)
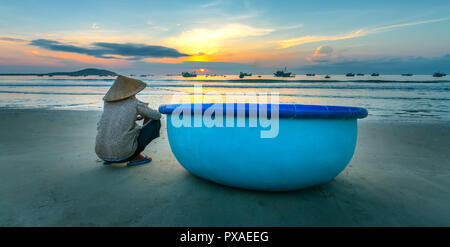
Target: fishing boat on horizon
point(327, 77)
point(350, 75)
point(282, 73)
point(408, 74)
point(360, 74)
point(374, 74)
point(439, 74)
point(187, 74)
point(310, 74)
point(242, 74)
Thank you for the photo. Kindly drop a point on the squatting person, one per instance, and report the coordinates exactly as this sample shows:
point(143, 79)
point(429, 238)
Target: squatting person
point(119, 137)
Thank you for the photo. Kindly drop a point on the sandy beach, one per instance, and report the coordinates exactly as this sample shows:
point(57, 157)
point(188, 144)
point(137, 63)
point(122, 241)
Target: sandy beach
point(50, 176)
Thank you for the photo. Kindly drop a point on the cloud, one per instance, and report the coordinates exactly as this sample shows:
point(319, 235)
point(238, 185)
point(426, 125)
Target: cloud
point(128, 51)
point(323, 51)
point(391, 27)
point(157, 28)
point(211, 4)
point(359, 33)
point(214, 40)
point(311, 39)
point(95, 26)
point(248, 15)
point(298, 26)
point(321, 55)
point(242, 17)
point(226, 32)
point(11, 39)
point(395, 65)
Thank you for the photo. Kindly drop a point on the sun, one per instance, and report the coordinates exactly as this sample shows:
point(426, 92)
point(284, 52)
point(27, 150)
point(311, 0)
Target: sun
point(201, 70)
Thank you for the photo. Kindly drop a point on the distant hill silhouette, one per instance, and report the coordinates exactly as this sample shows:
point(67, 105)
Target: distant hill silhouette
point(84, 72)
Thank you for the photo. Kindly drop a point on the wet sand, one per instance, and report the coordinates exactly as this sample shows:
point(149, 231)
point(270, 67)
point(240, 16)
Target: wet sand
point(50, 176)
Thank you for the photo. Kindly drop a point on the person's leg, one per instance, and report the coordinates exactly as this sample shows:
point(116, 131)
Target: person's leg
point(146, 120)
point(149, 132)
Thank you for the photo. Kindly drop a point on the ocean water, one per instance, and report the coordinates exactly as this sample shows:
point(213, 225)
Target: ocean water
point(387, 97)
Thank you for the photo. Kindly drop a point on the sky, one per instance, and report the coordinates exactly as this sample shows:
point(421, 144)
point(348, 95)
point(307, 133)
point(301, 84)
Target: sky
point(225, 36)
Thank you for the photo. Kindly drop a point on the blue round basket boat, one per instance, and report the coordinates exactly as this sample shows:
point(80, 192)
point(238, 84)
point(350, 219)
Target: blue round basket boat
point(305, 145)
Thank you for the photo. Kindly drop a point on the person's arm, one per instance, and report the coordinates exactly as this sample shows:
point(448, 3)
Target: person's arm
point(147, 112)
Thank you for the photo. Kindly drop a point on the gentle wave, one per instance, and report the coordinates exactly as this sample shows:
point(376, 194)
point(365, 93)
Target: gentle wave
point(304, 81)
point(262, 80)
point(242, 94)
point(392, 99)
point(51, 85)
point(384, 87)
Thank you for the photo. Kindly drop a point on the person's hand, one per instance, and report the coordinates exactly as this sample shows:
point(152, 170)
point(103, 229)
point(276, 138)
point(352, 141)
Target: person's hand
point(139, 117)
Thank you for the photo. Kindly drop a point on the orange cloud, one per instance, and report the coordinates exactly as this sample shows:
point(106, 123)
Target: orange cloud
point(321, 54)
point(210, 42)
point(311, 39)
point(323, 51)
point(12, 40)
point(362, 32)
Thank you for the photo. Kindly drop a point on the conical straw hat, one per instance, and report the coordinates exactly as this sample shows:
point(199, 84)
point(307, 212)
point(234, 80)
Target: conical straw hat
point(124, 87)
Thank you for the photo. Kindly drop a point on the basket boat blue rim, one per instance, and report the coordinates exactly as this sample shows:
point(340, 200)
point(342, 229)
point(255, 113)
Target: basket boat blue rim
point(284, 110)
